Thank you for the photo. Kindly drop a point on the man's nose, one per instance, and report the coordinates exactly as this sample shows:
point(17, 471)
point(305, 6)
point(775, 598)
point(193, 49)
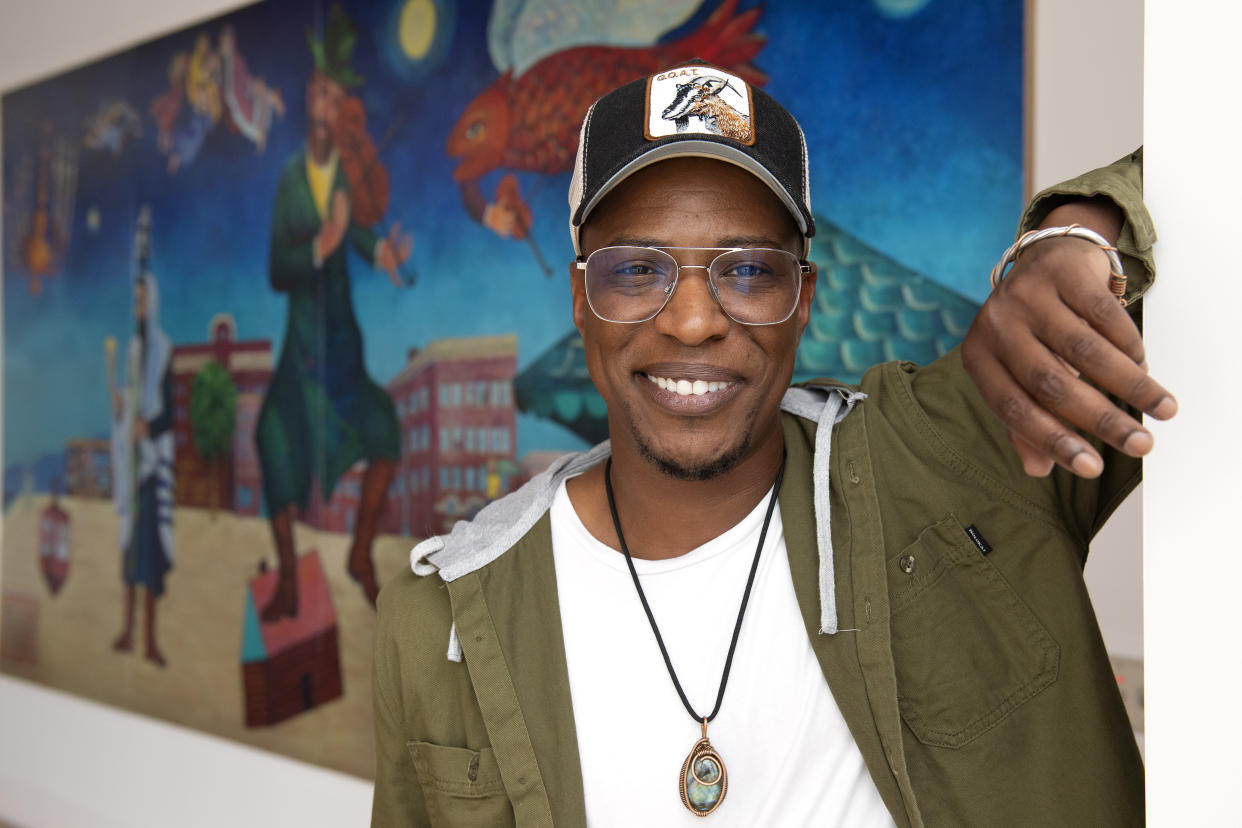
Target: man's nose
point(692, 315)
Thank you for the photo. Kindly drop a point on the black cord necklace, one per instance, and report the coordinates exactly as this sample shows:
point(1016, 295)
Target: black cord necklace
point(704, 781)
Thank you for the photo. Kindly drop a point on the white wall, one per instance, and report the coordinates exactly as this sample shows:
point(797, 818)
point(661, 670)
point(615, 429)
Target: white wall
point(65, 761)
point(1194, 671)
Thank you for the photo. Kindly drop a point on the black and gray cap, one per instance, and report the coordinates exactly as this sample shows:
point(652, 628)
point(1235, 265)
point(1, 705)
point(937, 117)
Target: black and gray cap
point(691, 110)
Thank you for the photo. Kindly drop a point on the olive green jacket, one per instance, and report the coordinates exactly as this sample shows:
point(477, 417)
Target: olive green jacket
point(976, 686)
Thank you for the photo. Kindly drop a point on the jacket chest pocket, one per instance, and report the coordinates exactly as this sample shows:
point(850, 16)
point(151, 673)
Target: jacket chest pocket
point(967, 650)
point(461, 787)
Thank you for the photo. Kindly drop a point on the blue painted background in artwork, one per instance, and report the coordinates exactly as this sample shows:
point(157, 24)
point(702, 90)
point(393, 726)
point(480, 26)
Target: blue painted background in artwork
point(914, 124)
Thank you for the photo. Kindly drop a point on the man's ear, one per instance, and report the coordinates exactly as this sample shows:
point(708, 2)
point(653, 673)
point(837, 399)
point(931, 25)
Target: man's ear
point(805, 297)
point(577, 287)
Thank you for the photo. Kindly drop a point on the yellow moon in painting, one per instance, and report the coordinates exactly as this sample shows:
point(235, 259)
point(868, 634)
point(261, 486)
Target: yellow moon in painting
point(417, 28)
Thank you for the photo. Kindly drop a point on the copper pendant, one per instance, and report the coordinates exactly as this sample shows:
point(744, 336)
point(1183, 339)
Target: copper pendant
point(704, 781)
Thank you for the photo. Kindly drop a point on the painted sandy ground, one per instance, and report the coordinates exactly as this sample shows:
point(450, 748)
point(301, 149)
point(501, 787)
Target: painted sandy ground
point(199, 626)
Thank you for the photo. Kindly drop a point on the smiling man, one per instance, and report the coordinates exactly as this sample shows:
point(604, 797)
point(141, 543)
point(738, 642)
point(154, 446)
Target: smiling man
point(825, 605)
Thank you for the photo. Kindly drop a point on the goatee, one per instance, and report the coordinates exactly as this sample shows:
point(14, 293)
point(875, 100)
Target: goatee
point(679, 470)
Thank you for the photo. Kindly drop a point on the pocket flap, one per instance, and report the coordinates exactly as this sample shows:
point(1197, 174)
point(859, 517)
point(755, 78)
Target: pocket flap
point(456, 770)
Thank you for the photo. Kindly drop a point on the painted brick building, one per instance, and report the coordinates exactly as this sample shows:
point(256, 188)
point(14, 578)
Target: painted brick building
point(249, 363)
point(458, 423)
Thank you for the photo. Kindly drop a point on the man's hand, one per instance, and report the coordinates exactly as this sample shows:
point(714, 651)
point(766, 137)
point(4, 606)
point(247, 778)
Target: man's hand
point(1050, 326)
point(139, 431)
point(334, 227)
point(393, 251)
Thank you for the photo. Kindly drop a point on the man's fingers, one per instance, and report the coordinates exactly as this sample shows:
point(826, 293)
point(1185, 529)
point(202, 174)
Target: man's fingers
point(1034, 461)
point(1027, 419)
point(1060, 392)
point(1084, 350)
point(1078, 272)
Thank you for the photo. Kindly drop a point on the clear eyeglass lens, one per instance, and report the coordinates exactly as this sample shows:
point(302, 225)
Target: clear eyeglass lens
point(755, 286)
point(629, 284)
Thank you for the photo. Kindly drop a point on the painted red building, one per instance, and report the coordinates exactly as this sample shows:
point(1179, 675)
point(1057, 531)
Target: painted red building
point(294, 664)
point(455, 407)
point(249, 363)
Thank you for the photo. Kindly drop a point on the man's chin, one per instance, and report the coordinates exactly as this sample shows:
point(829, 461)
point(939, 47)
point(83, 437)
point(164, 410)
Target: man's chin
point(682, 467)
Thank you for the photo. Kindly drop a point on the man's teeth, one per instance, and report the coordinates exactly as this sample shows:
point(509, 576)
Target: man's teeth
point(686, 388)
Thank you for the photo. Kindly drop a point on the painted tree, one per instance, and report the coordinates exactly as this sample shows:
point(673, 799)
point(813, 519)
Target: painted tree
point(213, 412)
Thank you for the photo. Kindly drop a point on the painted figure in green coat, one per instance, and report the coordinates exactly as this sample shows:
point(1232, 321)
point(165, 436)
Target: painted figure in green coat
point(322, 412)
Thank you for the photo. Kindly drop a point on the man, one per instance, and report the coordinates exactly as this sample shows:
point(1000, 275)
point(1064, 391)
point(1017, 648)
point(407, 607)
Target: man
point(142, 454)
point(322, 413)
point(906, 640)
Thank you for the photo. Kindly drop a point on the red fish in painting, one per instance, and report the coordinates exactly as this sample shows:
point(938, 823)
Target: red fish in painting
point(531, 123)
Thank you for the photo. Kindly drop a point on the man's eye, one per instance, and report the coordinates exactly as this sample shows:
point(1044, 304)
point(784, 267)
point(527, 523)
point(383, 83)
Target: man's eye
point(750, 279)
point(747, 270)
point(633, 270)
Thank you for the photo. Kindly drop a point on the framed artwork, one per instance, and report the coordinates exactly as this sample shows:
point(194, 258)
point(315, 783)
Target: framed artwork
point(287, 291)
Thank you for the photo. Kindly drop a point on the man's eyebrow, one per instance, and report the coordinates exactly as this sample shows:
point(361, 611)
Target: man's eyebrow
point(636, 241)
point(749, 241)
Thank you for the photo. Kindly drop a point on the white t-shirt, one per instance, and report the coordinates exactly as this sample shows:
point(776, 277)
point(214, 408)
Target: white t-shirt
point(790, 758)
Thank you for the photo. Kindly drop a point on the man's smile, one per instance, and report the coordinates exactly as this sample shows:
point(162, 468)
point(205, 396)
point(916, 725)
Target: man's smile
point(689, 388)
point(685, 387)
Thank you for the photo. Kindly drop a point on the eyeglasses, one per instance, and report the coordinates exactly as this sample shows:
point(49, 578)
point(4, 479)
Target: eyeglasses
point(753, 285)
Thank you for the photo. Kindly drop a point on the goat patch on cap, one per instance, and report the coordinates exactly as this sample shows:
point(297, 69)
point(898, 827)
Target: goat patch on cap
point(700, 99)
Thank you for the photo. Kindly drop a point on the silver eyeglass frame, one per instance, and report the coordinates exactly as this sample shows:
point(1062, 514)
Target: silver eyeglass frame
point(804, 268)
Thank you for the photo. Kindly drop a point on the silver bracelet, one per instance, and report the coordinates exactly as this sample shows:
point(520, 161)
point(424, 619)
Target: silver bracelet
point(1117, 275)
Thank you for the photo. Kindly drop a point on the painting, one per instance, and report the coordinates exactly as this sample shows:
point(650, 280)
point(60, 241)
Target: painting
point(287, 291)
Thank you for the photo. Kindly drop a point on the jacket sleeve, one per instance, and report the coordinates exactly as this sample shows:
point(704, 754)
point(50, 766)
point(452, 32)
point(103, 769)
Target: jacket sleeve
point(958, 415)
point(1087, 504)
point(398, 798)
point(365, 243)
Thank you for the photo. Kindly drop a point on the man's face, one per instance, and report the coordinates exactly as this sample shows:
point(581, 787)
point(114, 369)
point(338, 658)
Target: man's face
point(691, 202)
point(323, 105)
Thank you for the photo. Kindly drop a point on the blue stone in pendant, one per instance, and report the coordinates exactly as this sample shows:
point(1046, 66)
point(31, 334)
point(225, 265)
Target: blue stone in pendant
point(704, 780)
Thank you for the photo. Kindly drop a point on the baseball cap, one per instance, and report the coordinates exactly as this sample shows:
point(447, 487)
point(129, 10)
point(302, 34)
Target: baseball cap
point(694, 110)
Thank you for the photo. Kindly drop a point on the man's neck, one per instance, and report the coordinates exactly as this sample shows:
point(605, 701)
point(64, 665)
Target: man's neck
point(664, 517)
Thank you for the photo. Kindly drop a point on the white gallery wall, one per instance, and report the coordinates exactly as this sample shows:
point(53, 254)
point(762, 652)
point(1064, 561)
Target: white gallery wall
point(66, 761)
point(1193, 125)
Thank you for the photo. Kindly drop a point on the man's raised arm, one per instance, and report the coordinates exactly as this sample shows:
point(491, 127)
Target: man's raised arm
point(1052, 340)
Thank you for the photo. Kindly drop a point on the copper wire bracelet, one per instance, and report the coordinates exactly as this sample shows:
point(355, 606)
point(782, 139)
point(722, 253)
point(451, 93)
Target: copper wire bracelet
point(1116, 276)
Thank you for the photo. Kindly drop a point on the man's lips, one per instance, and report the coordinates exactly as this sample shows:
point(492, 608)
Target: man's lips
point(689, 389)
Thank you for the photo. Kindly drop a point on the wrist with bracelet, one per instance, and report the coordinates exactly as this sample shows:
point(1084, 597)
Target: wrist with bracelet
point(1117, 275)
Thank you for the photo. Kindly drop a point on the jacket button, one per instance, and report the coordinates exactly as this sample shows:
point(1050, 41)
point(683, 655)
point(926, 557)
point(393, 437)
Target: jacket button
point(473, 772)
point(906, 563)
